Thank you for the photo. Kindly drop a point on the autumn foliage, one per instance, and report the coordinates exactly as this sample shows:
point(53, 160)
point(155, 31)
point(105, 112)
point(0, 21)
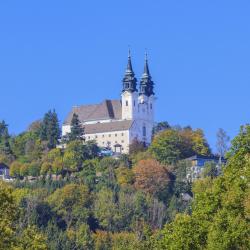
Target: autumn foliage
point(150, 176)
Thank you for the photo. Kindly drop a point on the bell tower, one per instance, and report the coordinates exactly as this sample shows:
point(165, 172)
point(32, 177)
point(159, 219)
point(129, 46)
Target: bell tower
point(129, 93)
point(146, 103)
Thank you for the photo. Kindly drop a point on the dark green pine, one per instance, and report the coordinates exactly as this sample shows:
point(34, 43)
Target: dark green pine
point(77, 131)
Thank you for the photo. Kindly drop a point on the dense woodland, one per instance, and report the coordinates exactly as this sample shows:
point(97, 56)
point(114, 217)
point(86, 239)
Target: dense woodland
point(74, 198)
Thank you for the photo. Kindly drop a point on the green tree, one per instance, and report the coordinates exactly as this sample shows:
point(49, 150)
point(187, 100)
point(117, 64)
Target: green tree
point(209, 170)
point(71, 202)
point(182, 233)
point(220, 214)
point(76, 129)
point(160, 126)
point(9, 210)
point(50, 129)
point(55, 160)
point(15, 168)
point(73, 156)
point(34, 168)
point(84, 237)
point(32, 239)
point(5, 147)
point(175, 144)
point(105, 208)
point(27, 146)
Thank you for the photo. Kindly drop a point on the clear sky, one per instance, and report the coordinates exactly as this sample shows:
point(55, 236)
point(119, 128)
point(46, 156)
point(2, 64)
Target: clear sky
point(56, 54)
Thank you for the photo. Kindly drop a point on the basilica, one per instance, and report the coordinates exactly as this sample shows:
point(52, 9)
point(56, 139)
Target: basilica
point(115, 124)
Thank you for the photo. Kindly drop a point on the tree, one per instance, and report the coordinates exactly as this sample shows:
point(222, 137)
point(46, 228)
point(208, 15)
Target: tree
point(166, 146)
point(182, 233)
point(209, 170)
point(222, 142)
point(136, 147)
point(220, 214)
point(83, 237)
point(124, 241)
point(102, 240)
point(34, 168)
point(77, 130)
point(24, 170)
point(73, 156)
point(200, 144)
point(9, 213)
point(45, 168)
point(105, 208)
point(15, 168)
point(151, 177)
point(50, 129)
point(71, 202)
point(27, 146)
point(160, 126)
point(175, 144)
point(5, 148)
point(125, 176)
point(55, 160)
point(32, 239)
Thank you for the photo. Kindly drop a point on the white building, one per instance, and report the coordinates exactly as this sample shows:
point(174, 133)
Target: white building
point(116, 123)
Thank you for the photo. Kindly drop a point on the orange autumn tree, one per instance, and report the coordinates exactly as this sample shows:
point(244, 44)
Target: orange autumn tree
point(151, 177)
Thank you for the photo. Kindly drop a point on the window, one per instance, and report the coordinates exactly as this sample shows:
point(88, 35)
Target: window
point(88, 137)
point(151, 106)
point(122, 141)
point(126, 103)
point(95, 136)
point(144, 131)
point(122, 134)
point(109, 135)
point(115, 135)
point(134, 103)
point(102, 136)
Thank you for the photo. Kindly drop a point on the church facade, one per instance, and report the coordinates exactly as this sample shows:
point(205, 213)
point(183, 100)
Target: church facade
point(115, 124)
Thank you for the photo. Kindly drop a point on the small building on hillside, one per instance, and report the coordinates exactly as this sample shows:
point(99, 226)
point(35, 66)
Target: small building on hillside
point(198, 162)
point(4, 172)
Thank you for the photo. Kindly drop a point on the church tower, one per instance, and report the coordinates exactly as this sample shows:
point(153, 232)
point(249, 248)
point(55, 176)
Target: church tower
point(129, 93)
point(146, 103)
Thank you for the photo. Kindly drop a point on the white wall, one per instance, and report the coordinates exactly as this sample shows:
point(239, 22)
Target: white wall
point(130, 111)
point(117, 137)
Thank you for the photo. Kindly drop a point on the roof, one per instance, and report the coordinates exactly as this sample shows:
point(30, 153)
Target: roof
point(107, 127)
point(196, 157)
point(3, 166)
point(108, 109)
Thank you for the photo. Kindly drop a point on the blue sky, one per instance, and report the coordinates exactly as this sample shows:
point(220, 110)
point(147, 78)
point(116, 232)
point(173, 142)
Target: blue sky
point(56, 54)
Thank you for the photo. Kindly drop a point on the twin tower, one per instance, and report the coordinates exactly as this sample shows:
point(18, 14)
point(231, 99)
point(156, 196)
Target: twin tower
point(138, 103)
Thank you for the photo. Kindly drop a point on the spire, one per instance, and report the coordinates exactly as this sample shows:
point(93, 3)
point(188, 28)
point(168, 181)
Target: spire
point(129, 80)
point(146, 83)
point(146, 70)
point(129, 66)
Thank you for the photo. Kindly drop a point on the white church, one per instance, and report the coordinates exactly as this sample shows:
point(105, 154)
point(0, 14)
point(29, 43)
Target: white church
point(115, 124)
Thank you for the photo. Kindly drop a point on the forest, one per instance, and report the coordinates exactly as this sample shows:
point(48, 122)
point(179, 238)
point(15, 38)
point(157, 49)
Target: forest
point(72, 197)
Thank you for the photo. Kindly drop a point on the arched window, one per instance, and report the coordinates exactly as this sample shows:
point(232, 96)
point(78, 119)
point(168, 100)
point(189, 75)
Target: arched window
point(144, 130)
